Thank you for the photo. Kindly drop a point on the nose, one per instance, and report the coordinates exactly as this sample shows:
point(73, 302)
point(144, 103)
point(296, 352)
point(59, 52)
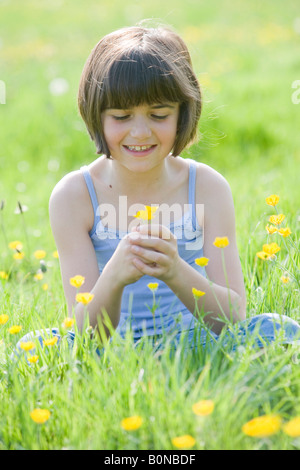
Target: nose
point(140, 128)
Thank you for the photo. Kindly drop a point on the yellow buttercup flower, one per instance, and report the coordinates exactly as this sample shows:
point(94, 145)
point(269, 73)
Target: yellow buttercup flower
point(15, 329)
point(45, 286)
point(39, 415)
point(77, 281)
point(271, 229)
point(39, 254)
point(38, 276)
point(284, 231)
point(285, 279)
point(27, 345)
point(276, 219)
point(221, 242)
point(197, 293)
point(33, 359)
point(272, 200)
point(263, 426)
point(263, 255)
point(271, 248)
point(3, 275)
point(84, 297)
point(146, 214)
point(203, 407)
point(152, 286)
point(55, 254)
point(183, 442)
point(292, 427)
point(68, 322)
point(50, 341)
point(132, 423)
point(202, 261)
point(3, 319)
point(19, 255)
point(15, 245)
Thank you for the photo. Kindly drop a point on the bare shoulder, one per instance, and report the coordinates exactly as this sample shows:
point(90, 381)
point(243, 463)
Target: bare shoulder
point(70, 200)
point(212, 188)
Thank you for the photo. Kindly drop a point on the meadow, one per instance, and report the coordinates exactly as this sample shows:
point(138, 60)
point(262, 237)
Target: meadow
point(246, 55)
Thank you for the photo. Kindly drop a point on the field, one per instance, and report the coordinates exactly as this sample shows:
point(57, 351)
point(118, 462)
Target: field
point(246, 55)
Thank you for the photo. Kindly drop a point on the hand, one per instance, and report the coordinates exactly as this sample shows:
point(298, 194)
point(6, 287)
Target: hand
point(155, 251)
point(122, 265)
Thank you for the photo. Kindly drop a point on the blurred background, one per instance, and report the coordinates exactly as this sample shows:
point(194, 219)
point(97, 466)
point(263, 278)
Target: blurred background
point(245, 53)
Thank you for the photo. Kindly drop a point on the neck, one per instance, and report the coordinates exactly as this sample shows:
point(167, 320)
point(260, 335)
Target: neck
point(143, 184)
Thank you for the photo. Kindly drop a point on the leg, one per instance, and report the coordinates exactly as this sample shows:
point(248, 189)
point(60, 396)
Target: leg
point(40, 336)
point(265, 328)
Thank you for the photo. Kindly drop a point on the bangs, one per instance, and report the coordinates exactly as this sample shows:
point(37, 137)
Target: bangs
point(139, 79)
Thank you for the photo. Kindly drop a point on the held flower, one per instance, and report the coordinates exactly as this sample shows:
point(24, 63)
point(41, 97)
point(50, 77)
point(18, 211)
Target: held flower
point(147, 214)
point(263, 426)
point(40, 416)
point(272, 200)
point(153, 286)
point(84, 297)
point(132, 423)
point(197, 293)
point(203, 407)
point(183, 442)
point(221, 242)
point(77, 281)
point(202, 261)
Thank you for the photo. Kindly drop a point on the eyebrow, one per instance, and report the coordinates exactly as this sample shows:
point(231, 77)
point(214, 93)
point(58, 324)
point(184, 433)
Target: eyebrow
point(155, 106)
point(163, 105)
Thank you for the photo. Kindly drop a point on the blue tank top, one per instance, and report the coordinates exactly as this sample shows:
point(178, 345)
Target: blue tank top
point(137, 300)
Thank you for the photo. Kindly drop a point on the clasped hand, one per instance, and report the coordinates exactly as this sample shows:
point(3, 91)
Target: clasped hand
point(155, 251)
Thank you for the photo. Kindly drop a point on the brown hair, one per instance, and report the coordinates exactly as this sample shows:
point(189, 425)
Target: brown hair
point(135, 66)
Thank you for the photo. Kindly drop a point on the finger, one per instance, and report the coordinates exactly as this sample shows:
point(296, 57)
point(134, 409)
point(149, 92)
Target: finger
point(146, 268)
point(155, 230)
point(149, 256)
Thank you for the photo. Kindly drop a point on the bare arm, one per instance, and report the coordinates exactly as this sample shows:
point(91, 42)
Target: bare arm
point(224, 289)
point(71, 217)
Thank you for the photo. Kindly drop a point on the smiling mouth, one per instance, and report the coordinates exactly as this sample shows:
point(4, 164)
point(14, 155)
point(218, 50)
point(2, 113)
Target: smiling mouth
point(139, 148)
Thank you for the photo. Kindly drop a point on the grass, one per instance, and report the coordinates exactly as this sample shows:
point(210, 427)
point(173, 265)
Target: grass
point(246, 61)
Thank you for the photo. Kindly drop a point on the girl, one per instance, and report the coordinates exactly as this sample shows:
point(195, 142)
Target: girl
point(141, 103)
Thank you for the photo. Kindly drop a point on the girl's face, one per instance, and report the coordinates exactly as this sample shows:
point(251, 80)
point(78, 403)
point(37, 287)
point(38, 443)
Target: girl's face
point(141, 137)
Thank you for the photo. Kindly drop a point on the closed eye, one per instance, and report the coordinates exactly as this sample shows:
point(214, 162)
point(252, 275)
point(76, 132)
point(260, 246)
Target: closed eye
point(155, 116)
point(121, 118)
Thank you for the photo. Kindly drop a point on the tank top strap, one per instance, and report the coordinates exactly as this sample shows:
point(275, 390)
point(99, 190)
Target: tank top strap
point(192, 191)
point(90, 187)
